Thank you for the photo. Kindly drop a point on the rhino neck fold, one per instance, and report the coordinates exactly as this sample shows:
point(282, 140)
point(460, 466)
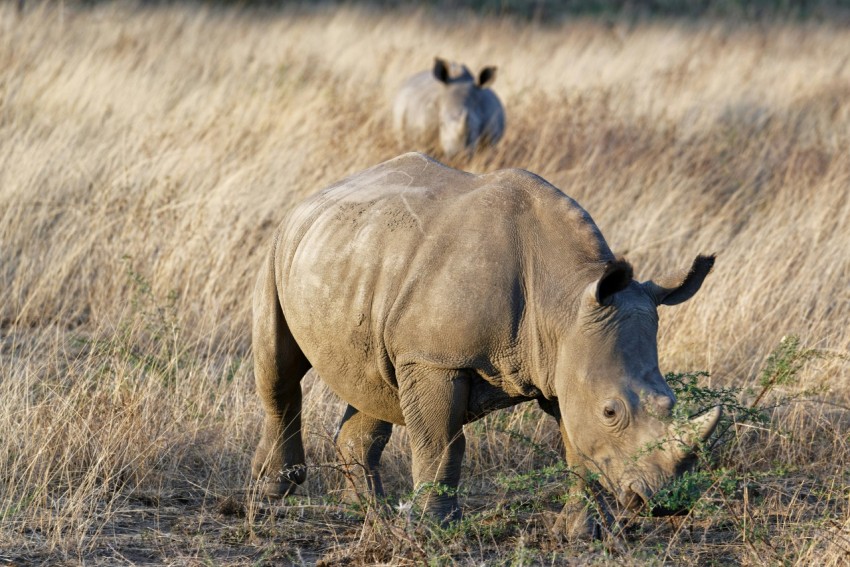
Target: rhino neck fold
point(554, 317)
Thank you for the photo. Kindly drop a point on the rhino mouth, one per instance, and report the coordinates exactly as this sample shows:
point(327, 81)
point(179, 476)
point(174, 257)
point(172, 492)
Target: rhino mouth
point(638, 499)
point(663, 511)
point(635, 497)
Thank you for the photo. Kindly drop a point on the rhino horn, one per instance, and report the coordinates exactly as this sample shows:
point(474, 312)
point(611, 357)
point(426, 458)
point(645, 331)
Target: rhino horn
point(704, 424)
point(698, 429)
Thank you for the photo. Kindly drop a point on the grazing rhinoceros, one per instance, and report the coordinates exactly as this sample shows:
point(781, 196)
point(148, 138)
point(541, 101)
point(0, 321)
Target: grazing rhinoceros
point(428, 297)
point(449, 109)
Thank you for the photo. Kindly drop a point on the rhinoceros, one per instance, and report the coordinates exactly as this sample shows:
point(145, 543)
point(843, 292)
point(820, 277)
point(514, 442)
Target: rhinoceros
point(428, 297)
point(449, 109)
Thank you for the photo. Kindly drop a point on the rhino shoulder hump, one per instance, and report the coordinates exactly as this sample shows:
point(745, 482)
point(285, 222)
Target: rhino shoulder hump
point(526, 184)
point(553, 211)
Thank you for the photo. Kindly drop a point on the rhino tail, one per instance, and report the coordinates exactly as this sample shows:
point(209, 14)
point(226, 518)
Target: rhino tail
point(270, 325)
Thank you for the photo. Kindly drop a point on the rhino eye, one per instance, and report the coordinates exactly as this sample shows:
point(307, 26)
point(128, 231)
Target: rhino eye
point(612, 410)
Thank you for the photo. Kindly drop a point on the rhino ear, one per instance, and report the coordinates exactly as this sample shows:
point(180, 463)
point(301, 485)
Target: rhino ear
point(677, 289)
point(618, 274)
point(441, 70)
point(486, 77)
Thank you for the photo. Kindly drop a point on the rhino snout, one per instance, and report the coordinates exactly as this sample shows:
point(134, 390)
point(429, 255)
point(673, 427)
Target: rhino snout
point(635, 494)
point(454, 134)
point(632, 498)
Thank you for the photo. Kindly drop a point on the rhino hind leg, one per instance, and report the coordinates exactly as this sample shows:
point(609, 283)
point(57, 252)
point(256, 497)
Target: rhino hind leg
point(279, 365)
point(360, 441)
point(434, 404)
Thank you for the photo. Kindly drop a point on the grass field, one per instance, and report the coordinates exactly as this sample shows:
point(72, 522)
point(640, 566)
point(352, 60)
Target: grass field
point(147, 154)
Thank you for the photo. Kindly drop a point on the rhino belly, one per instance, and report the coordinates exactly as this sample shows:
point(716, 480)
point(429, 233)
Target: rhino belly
point(364, 390)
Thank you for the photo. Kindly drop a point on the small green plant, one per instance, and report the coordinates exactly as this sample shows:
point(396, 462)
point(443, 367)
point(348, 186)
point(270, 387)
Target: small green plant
point(430, 489)
point(783, 365)
point(16, 507)
point(687, 492)
point(534, 479)
point(781, 368)
point(693, 399)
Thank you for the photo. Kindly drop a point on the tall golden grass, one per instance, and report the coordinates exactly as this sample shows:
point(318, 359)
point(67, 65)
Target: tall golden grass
point(147, 154)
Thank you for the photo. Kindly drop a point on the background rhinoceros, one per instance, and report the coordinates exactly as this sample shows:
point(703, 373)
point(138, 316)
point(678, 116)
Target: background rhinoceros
point(447, 108)
point(426, 296)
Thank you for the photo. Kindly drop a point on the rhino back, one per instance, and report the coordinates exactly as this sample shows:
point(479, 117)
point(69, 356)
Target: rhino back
point(414, 262)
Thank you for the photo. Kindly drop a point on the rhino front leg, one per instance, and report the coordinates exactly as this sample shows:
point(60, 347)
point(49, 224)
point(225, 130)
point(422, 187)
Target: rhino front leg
point(434, 402)
point(577, 521)
point(360, 441)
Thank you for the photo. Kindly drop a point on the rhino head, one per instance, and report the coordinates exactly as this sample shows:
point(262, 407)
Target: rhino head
point(461, 122)
point(615, 405)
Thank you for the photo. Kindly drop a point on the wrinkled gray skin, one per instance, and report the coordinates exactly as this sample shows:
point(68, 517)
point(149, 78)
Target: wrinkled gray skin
point(448, 108)
point(428, 297)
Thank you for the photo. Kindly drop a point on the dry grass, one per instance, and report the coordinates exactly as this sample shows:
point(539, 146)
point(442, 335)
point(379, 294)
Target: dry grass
point(146, 156)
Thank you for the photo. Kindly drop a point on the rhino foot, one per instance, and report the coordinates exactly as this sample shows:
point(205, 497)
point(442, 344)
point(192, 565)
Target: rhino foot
point(444, 510)
point(581, 521)
point(452, 516)
point(278, 485)
point(576, 523)
point(276, 488)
